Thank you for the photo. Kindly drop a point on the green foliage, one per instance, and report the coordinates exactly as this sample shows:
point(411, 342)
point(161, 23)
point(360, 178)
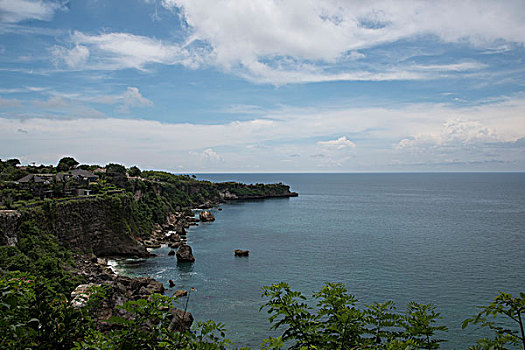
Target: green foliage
point(148, 326)
point(134, 171)
point(34, 315)
point(512, 309)
point(115, 169)
point(66, 164)
point(38, 251)
point(419, 323)
point(13, 162)
point(254, 190)
point(338, 323)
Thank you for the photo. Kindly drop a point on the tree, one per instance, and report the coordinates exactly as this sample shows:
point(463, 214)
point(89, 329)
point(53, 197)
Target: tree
point(504, 304)
point(113, 169)
point(13, 162)
point(338, 323)
point(134, 171)
point(66, 164)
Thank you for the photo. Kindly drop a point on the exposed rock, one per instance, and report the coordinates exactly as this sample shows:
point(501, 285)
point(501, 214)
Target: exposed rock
point(239, 252)
point(206, 205)
point(80, 296)
point(180, 293)
point(171, 252)
point(9, 222)
point(99, 225)
point(219, 209)
point(174, 245)
point(181, 320)
point(184, 254)
point(120, 289)
point(226, 195)
point(206, 216)
point(172, 284)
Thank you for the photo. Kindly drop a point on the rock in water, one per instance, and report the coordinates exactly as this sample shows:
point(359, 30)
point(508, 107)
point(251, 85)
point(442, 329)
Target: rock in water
point(180, 293)
point(206, 216)
point(172, 284)
point(172, 252)
point(239, 252)
point(184, 254)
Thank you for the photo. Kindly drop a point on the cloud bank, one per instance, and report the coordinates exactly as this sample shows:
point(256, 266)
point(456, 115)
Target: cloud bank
point(302, 41)
point(413, 134)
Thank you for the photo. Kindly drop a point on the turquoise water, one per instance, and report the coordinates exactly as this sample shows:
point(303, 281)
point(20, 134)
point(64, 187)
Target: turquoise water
point(451, 239)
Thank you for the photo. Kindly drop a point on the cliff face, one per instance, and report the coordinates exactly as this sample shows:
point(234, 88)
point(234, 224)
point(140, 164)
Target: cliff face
point(9, 222)
point(104, 226)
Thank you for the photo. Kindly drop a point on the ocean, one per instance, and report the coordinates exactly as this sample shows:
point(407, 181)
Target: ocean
point(452, 239)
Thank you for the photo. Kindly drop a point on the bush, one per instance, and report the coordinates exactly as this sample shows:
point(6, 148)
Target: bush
point(338, 323)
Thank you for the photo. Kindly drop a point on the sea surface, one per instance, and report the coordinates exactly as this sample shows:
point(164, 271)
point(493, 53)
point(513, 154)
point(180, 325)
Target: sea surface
point(452, 239)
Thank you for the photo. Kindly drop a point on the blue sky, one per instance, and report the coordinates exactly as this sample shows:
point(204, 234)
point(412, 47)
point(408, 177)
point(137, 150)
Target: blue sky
point(265, 86)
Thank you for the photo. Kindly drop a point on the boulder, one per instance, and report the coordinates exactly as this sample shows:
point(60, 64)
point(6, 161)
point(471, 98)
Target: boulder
point(180, 293)
point(184, 254)
point(181, 320)
point(172, 284)
point(206, 216)
point(172, 252)
point(240, 252)
point(174, 245)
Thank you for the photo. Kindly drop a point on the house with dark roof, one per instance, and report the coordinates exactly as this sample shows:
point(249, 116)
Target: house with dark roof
point(75, 182)
point(84, 174)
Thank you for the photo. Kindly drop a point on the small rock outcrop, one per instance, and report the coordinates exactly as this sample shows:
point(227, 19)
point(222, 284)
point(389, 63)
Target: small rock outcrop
point(171, 252)
point(172, 284)
point(184, 254)
point(240, 252)
point(205, 216)
point(180, 293)
point(80, 296)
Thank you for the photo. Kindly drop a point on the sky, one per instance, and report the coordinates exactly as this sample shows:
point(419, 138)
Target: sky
point(193, 86)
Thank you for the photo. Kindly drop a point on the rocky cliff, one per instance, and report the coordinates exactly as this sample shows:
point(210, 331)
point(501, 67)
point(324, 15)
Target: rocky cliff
point(104, 226)
point(101, 225)
point(9, 222)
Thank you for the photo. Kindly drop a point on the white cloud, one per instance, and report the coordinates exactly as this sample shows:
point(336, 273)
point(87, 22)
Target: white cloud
point(431, 132)
point(74, 58)
point(133, 98)
point(339, 144)
point(301, 41)
point(12, 11)
point(109, 51)
point(455, 67)
point(210, 154)
point(246, 35)
point(454, 131)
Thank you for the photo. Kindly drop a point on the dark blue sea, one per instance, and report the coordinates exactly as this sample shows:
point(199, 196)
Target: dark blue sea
point(452, 239)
